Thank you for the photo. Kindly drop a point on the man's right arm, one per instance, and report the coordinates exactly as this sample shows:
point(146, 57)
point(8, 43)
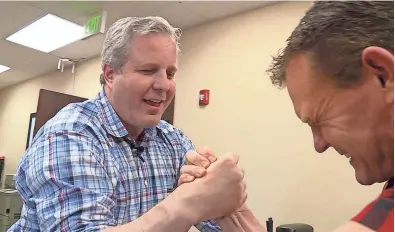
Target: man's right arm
point(170, 215)
point(69, 188)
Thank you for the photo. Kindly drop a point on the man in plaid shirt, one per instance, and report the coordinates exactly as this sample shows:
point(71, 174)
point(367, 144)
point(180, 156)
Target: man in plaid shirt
point(338, 67)
point(109, 164)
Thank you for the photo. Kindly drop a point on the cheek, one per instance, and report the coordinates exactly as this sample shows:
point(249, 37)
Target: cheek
point(172, 90)
point(350, 140)
point(127, 94)
point(337, 137)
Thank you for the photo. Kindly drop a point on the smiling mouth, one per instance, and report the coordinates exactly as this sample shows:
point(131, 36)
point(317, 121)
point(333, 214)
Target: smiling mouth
point(155, 103)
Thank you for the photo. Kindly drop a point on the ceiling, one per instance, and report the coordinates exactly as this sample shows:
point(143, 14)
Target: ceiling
point(27, 63)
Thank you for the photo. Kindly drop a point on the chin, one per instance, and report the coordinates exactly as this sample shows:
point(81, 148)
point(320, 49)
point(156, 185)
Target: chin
point(364, 179)
point(151, 121)
point(364, 182)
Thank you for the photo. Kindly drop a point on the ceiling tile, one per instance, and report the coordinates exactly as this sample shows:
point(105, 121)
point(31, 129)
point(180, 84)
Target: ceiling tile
point(43, 64)
point(120, 9)
point(82, 49)
point(180, 16)
point(14, 55)
point(12, 19)
point(74, 11)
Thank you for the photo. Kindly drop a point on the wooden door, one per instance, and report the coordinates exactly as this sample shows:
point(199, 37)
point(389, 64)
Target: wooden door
point(49, 104)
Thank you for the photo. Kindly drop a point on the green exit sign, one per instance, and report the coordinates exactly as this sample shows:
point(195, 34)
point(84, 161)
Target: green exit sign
point(95, 24)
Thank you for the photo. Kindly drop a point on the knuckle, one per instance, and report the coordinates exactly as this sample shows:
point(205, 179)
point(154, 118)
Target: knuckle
point(234, 155)
point(205, 151)
point(191, 155)
point(181, 180)
point(239, 175)
point(196, 170)
point(184, 169)
point(228, 160)
point(185, 178)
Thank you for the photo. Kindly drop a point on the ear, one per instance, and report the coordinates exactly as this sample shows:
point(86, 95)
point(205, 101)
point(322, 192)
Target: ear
point(379, 64)
point(109, 74)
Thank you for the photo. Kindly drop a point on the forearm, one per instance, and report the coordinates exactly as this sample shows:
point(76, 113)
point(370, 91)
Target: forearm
point(241, 221)
point(168, 216)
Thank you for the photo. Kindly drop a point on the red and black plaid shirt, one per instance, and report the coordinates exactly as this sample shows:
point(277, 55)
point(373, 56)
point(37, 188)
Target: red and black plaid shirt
point(379, 214)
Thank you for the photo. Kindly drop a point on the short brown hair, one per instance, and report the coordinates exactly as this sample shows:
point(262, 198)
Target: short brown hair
point(334, 34)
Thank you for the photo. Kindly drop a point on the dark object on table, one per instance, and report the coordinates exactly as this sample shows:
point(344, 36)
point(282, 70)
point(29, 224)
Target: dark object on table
point(269, 225)
point(295, 227)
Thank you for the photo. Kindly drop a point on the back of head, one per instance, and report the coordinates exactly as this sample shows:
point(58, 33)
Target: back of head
point(119, 37)
point(333, 34)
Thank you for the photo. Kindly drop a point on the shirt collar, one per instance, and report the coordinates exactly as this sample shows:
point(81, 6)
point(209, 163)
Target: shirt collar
point(112, 123)
point(390, 183)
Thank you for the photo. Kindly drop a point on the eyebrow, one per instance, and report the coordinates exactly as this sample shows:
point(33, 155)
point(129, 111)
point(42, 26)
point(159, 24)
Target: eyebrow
point(171, 67)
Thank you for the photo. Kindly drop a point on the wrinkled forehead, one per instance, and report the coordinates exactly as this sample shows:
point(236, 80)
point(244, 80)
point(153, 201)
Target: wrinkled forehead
point(300, 81)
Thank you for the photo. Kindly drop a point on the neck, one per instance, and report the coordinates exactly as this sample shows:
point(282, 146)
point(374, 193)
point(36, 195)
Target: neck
point(390, 132)
point(134, 132)
point(388, 141)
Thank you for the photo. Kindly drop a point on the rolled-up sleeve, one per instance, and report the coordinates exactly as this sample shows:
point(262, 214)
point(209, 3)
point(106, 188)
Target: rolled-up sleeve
point(65, 185)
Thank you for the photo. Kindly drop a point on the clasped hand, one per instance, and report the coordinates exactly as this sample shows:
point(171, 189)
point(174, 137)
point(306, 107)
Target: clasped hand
point(202, 164)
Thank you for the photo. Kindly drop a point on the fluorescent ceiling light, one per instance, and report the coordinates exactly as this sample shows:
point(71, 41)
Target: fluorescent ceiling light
point(47, 33)
point(3, 68)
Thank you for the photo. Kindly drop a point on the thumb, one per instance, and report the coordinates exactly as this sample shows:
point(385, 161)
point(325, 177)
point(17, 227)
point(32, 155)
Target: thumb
point(195, 158)
point(233, 157)
point(208, 153)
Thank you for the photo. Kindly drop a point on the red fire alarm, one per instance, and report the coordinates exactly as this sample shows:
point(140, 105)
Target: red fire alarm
point(204, 97)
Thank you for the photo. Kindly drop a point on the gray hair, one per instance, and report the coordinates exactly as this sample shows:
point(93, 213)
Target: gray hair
point(118, 38)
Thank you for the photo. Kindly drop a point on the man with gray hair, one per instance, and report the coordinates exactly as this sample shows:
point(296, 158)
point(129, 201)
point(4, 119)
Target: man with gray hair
point(111, 164)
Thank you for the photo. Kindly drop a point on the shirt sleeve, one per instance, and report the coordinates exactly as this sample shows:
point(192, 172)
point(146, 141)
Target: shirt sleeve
point(64, 186)
point(208, 226)
point(379, 214)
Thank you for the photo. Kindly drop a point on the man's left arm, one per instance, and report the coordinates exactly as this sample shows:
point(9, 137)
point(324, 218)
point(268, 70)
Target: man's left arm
point(243, 220)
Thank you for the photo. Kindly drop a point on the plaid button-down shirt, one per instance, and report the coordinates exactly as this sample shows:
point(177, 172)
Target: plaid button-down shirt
point(83, 172)
point(379, 214)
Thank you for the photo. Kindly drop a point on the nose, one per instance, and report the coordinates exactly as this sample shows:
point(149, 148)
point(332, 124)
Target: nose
point(320, 144)
point(161, 81)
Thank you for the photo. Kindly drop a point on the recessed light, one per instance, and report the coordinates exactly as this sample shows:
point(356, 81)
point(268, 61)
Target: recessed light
point(3, 68)
point(47, 33)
